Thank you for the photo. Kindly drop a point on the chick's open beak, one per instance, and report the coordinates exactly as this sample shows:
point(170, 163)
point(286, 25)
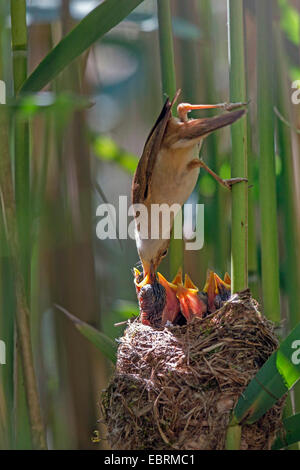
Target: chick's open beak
point(172, 306)
point(188, 295)
point(210, 290)
point(217, 290)
point(222, 287)
point(148, 277)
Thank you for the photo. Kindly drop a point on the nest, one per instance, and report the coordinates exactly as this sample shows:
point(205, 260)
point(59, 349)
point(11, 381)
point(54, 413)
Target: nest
point(175, 387)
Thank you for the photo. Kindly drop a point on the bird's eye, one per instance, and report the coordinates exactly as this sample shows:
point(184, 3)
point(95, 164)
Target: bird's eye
point(164, 253)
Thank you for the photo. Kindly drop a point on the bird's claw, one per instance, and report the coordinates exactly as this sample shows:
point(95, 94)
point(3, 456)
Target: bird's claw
point(231, 181)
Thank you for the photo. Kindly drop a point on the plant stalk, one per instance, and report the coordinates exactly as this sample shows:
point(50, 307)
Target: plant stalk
point(217, 213)
point(267, 176)
point(166, 47)
point(21, 140)
point(22, 310)
point(168, 78)
point(17, 213)
point(233, 437)
point(239, 165)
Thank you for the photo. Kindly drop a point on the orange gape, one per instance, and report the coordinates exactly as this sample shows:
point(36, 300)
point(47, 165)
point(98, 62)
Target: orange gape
point(176, 302)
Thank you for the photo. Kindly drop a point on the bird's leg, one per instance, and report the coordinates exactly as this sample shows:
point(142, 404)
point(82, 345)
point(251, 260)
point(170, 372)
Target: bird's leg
point(184, 108)
point(227, 183)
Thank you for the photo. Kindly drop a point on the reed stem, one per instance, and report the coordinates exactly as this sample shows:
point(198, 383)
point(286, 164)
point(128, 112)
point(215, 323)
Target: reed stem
point(17, 214)
point(21, 139)
point(168, 78)
point(218, 213)
point(22, 310)
point(239, 165)
point(233, 437)
point(267, 176)
point(166, 47)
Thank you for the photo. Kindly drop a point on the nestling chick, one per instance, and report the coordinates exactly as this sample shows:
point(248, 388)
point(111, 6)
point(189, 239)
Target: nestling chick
point(157, 300)
point(176, 302)
point(168, 171)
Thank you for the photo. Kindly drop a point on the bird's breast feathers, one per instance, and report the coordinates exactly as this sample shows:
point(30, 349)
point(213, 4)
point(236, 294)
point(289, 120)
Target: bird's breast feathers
point(172, 181)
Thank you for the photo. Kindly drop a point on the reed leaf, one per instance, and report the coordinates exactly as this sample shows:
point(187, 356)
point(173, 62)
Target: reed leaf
point(277, 376)
point(93, 26)
point(290, 434)
point(94, 336)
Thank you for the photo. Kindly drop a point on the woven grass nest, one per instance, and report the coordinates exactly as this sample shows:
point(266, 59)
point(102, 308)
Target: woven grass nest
point(174, 387)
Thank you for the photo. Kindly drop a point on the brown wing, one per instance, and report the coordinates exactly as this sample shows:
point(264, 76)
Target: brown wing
point(196, 128)
point(202, 127)
point(142, 177)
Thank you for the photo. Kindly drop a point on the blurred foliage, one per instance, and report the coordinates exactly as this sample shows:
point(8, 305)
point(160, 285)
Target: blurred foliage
point(107, 150)
point(103, 95)
point(290, 21)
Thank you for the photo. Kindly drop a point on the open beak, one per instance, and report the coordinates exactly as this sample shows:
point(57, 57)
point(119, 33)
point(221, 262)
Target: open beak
point(148, 276)
point(214, 287)
point(184, 108)
point(139, 280)
point(187, 293)
point(172, 306)
point(227, 279)
point(210, 290)
point(223, 288)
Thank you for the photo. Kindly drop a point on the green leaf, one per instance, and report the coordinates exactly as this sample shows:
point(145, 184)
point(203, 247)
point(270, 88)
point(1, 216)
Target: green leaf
point(278, 375)
point(290, 434)
point(97, 23)
point(96, 337)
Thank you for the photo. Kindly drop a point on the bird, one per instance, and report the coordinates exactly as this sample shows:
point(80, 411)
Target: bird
point(167, 173)
point(157, 301)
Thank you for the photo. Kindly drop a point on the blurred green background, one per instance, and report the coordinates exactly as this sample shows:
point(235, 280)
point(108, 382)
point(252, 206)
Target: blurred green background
point(87, 129)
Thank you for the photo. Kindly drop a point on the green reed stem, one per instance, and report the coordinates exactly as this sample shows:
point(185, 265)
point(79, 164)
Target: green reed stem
point(168, 78)
point(166, 47)
point(22, 194)
point(21, 140)
point(217, 214)
point(17, 212)
point(267, 177)
point(233, 437)
point(239, 165)
point(22, 310)
point(7, 302)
